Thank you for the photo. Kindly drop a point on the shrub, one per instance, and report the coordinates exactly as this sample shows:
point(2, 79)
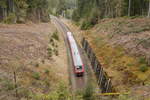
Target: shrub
point(51, 40)
point(24, 92)
point(86, 25)
point(49, 49)
point(75, 16)
point(47, 82)
point(55, 36)
point(46, 71)
point(88, 93)
point(56, 52)
point(8, 85)
point(10, 19)
point(142, 60)
point(49, 52)
point(37, 65)
point(62, 91)
point(56, 46)
point(143, 68)
point(43, 61)
point(36, 75)
point(53, 44)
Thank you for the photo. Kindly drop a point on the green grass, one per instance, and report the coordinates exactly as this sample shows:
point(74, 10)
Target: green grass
point(36, 75)
point(142, 60)
point(143, 68)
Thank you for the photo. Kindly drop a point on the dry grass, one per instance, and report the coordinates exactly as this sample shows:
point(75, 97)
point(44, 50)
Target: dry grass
point(119, 44)
point(23, 48)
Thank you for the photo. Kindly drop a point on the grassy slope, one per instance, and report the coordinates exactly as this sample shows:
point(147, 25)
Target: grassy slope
point(122, 46)
point(118, 47)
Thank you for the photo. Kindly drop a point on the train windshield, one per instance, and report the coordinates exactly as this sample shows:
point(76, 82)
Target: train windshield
point(79, 67)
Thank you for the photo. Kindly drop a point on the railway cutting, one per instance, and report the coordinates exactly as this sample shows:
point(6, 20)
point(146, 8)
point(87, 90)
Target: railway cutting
point(77, 82)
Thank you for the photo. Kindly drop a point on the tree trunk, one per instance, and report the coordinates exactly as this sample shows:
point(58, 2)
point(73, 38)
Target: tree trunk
point(4, 12)
point(149, 10)
point(39, 15)
point(129, 8)
point(13, 6)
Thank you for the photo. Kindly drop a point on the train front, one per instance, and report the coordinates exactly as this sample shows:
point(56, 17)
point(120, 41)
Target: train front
point(79, 70)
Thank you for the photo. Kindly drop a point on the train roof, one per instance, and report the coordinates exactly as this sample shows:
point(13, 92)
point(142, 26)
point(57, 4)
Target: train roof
point(74, 48)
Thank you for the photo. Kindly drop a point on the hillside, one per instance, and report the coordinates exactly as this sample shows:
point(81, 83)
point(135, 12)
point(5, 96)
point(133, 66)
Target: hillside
point(37, 58)
point(122, 46)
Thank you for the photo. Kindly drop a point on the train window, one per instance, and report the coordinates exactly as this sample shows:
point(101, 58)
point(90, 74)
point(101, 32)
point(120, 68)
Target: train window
point(79, 67)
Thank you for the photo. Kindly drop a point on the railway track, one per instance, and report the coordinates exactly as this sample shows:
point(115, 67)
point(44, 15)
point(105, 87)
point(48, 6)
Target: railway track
point(77, 83)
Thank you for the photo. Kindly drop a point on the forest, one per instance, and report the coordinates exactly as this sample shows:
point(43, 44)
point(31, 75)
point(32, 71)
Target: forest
point(93, 10)
point(18, 11)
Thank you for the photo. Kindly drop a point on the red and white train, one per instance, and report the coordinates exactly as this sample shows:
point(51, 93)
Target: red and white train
point(76, 58)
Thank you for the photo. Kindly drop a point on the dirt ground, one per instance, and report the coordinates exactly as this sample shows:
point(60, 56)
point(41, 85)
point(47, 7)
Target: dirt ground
point(23, 49)
point(122, 47)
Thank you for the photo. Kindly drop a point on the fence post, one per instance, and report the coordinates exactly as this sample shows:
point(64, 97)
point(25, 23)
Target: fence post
point(86, 45)
point(103, 81)
point(100, 76)
point(108, 85)
point(83, 42)
point(95, 66)
point(93, 60)
point(89, 51)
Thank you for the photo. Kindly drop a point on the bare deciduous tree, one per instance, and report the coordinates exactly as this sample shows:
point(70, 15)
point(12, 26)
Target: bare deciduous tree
point(129, 8)
point(149, 10)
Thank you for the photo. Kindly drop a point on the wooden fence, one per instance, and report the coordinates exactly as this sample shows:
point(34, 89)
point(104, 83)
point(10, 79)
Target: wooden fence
point(103, 80)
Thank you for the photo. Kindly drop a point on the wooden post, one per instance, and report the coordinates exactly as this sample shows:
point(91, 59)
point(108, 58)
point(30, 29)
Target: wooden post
point(90, 54)
point(93, 60)
point(108, 85)
point(103, 81)
point(97, 71)
point(15, 81)
point(95, 66)
point(86, 45)
point(89, 51)
point(83, 42)
point(101, 76)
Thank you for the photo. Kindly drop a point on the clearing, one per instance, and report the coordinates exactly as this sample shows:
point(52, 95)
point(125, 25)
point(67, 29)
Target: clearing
point(37, 54)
